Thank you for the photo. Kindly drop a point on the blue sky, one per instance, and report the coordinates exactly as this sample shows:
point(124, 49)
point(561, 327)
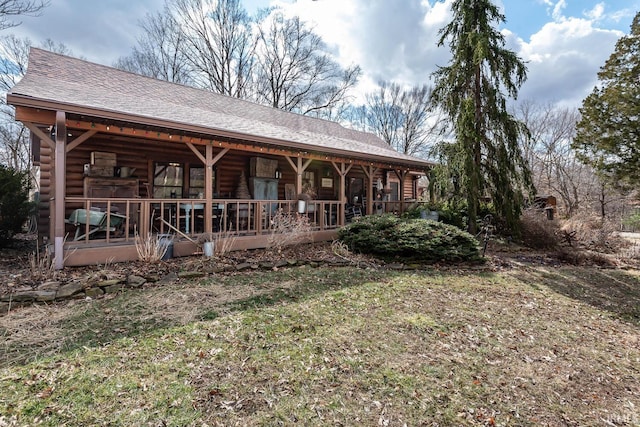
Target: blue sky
point(564, 42)
point(526, 17)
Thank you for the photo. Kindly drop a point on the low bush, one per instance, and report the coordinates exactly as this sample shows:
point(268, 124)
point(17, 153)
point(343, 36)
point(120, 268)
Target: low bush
point(594, 232)
point(537, 232)
point(390, 237)
point(288, 230)
point(454, 213)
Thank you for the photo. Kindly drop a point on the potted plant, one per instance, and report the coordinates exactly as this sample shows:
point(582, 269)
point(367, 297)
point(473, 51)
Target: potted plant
point(208, 242)
point(429, 211)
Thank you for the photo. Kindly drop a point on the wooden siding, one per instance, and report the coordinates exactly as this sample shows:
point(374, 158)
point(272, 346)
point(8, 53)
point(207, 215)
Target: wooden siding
point(45, 191)
point(409, 187)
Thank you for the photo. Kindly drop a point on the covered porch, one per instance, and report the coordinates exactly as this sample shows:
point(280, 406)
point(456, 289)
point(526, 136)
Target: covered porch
point(192, 189)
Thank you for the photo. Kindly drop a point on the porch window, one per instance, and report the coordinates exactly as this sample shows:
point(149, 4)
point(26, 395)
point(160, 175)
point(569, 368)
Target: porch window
point(168, 180)
point(197, 184)
point(395, 190)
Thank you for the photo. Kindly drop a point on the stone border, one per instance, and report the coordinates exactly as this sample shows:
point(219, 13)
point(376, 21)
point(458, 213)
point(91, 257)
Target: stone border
point(57, 291)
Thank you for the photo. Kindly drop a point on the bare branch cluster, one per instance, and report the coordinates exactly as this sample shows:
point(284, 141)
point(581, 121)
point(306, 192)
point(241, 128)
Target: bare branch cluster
point(557, 170)
point(216, 45)
point(15, 147)
point(288, 229)
point(150, 248)
point(12, 8)
point(403, 118)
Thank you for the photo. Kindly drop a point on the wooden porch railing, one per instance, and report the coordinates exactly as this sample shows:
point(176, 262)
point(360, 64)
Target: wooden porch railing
point(120, 219)
point(111, 219)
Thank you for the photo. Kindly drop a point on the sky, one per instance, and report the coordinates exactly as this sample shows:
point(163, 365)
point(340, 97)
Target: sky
point(563, 42)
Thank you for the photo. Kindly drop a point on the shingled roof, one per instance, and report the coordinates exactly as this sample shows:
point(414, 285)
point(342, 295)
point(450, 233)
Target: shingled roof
point(58, 82)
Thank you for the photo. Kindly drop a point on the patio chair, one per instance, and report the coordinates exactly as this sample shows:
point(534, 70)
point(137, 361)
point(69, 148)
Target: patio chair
point(352, 212)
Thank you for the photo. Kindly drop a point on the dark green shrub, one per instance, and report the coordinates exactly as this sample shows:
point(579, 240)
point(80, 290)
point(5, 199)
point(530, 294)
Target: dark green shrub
point(632, 221)
point(390, 237)
point(14, 203)
point(455, 213)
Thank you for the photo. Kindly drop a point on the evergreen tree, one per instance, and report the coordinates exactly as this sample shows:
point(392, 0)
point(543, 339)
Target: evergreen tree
point(608, 134)
point(14, 202)
point(470, 90)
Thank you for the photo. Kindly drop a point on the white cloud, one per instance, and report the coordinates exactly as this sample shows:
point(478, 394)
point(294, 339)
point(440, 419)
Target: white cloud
point(564, 58)
point(397, 41)
point(596, 13)
point(558, 9)
point(99, 31)
point(389, 40)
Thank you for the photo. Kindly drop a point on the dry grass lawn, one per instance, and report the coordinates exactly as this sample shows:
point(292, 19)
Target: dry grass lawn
point(525, 346)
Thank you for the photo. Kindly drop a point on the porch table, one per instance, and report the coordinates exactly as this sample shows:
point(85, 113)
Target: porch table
point(187, 207)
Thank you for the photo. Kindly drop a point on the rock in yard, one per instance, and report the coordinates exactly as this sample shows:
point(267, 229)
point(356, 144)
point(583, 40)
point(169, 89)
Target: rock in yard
point(190, 274)
point(113, 288)
point(281, 263)
point(243, 266)
point(94, 292)
point(48, 295)
point(51, 285)
point(20, 296)
point(108, 283)
point(169, 278)
point(136, 281)
point(69, 289)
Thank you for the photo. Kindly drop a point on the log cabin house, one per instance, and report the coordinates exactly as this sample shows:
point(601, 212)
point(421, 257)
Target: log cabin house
point(122, 155)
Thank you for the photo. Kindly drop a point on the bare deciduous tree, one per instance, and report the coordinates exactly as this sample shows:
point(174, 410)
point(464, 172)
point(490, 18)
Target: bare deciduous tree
point(15, 149)
point(160, 52)
point(218, 44)
point(294, 71)
point(555, 168)
point(9, 8)
point(403, 118)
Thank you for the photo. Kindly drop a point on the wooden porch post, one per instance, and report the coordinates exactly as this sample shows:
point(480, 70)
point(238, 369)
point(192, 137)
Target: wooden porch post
point(59, 189)
point(369, 171)
point(299, 167)
point(208, 189)
point(209, 161)
point(299, 171)
point(342, 170)
point(401, 174)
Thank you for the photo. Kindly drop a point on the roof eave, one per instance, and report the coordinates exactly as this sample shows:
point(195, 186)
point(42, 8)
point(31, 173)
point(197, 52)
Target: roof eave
point(29, 101)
